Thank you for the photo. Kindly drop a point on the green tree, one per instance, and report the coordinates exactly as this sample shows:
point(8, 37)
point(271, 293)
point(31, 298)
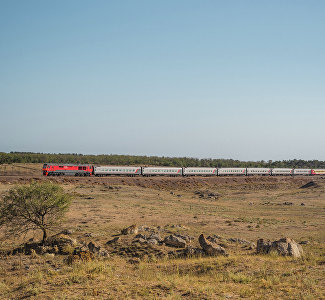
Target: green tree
point(37, 206)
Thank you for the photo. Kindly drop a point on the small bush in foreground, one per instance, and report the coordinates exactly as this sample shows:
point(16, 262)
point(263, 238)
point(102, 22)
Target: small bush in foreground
point(37, 206)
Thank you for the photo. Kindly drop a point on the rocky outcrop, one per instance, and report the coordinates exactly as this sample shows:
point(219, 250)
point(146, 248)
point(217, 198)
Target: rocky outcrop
point(97, 250)
point(285, 247)
point(133, 229)
point(175, 241)
point(210, 248)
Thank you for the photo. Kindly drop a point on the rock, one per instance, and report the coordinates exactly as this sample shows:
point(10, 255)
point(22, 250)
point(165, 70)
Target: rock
point(152, 241)
point(174, 241)
point(285, 247)
point(103, 253)
point(133, 229)
point(185, 237)
point(144, 228)
point(191, 251)
point(140, 240)
point(114, 240)
point(67, 231)
point(141, 236)
point(88, 234)
point(210, 248)
point(49, 255)
point(155, 236)
point(239, 241)
point(263, 246)
point(217, 240)
point(59, 243)
point(302, 204)
point(287, 203)
point(177, 226)
point(93, 247)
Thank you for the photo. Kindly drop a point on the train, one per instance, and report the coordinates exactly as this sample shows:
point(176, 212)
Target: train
point(100, 171)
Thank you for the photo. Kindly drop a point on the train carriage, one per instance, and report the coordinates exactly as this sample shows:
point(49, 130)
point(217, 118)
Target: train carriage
point(200, 171)
point(258, 171)
point(231, 171)
point(304, 172)
point(282, 171)
point(162, 171)
point(117, 170)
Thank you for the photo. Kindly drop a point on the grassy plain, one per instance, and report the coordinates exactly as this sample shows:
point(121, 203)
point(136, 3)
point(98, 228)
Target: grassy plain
point(246, 208)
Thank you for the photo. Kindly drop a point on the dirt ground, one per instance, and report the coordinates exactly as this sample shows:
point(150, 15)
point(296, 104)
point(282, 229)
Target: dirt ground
point(232, 207)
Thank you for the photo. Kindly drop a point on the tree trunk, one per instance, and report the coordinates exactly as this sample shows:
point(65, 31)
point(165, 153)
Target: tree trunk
point(44, 236)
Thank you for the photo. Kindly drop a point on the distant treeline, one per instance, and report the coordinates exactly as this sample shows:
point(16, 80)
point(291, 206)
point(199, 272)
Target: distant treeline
point(112, 159)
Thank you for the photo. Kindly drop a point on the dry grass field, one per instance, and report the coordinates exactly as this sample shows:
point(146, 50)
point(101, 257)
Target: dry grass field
point(247, 208)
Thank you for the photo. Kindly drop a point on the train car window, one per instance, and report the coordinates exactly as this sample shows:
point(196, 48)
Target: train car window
point(79, 168)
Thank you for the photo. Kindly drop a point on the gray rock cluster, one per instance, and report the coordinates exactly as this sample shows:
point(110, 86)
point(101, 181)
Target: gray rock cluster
point(152, 238)
point(285, 247)
point(206, 194)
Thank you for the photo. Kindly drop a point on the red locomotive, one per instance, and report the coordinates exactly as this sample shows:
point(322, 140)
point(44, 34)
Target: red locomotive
point(62, 169)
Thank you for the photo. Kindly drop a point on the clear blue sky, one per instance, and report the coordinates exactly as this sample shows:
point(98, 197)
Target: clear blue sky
point(220, 79)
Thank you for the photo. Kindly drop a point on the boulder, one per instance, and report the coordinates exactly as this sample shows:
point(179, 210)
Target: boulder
point(155, 236)
point(210, 248)
point(152, 241)
point(59, 243)
point(175, 241)
point(284, 246)
point(263, 246)
point(185, 237)
point(60, 240)
point(133, 229)
point(93, 247)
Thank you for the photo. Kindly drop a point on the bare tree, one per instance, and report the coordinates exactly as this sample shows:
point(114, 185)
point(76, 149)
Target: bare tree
point(37, 206)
